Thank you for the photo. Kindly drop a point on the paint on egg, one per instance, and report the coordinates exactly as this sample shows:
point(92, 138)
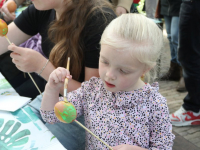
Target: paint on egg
point(65, 112)
point(3, 28)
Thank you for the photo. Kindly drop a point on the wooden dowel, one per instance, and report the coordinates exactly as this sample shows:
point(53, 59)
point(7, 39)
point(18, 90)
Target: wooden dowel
point(35, 83)
point(66, 82)
point(66, 79)
point(93, 134)
point(8, 39)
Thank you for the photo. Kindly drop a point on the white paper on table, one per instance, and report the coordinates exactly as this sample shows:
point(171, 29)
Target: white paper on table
point(13, 103)
point(1, 76)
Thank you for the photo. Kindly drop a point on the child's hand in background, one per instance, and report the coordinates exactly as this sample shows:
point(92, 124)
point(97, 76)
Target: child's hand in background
point(57, 78)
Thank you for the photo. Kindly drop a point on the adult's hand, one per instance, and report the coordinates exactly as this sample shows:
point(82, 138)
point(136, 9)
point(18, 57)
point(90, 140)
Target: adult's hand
point(27, 60)
point(6, 14)
point(120, 10)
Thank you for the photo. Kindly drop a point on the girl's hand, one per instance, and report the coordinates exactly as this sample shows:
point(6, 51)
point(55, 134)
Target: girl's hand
point(27, 60)
point(127, 147)
point(57, 78)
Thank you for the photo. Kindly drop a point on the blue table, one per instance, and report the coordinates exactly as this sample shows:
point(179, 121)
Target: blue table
point(22, 129)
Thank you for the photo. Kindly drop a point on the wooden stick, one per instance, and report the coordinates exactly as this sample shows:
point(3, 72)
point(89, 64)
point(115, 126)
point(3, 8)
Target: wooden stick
point(66, 82)
point(8, 39)
point(93, 134)
point(28, 73)
point(35, 83)
point(66, 79)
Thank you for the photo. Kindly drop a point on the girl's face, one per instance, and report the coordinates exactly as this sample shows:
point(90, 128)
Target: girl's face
point(119, 70)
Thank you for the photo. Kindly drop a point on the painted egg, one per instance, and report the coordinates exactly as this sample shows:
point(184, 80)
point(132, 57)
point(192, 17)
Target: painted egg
point(11, 5)
point(65, 112)
point(3, 28)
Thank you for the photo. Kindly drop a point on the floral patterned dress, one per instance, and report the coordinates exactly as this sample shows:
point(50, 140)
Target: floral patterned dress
point(139, 117)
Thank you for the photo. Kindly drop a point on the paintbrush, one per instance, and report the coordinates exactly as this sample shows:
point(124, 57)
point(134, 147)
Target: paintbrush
point(66, 82)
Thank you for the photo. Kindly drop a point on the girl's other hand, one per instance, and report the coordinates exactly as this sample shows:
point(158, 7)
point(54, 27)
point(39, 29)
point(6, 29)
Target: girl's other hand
point(57, 78)
point(27, 60)
point(127, 147)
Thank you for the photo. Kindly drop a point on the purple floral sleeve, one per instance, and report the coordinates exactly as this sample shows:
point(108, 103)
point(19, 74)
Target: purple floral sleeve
point(49, 116)
point(161, 136)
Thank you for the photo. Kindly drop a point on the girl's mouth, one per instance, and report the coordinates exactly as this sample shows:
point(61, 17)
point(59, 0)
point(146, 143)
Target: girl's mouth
point(109, 85)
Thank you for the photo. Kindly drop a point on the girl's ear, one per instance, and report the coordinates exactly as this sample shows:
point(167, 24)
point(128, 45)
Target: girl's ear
point(147, 69)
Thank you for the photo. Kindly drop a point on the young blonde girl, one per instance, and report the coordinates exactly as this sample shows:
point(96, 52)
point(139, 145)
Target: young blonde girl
point(119, 107)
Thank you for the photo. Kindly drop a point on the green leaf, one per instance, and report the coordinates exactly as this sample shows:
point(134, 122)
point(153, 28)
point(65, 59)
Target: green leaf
point(52, 138)
point(10, 136)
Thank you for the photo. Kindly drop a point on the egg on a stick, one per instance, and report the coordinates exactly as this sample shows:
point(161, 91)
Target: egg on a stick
point(3, 32)
point(4, 29)
point(11, 5)
point(66, 112)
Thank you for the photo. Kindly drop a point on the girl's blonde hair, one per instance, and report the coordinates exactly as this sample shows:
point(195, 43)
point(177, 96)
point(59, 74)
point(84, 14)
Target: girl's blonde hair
point(139, 34)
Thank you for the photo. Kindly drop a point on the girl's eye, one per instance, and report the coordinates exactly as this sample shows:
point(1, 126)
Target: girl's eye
point(124, 72)
point(105, 62)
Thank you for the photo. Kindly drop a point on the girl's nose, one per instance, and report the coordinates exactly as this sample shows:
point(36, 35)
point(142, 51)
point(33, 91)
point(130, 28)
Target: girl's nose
point(110, 74)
